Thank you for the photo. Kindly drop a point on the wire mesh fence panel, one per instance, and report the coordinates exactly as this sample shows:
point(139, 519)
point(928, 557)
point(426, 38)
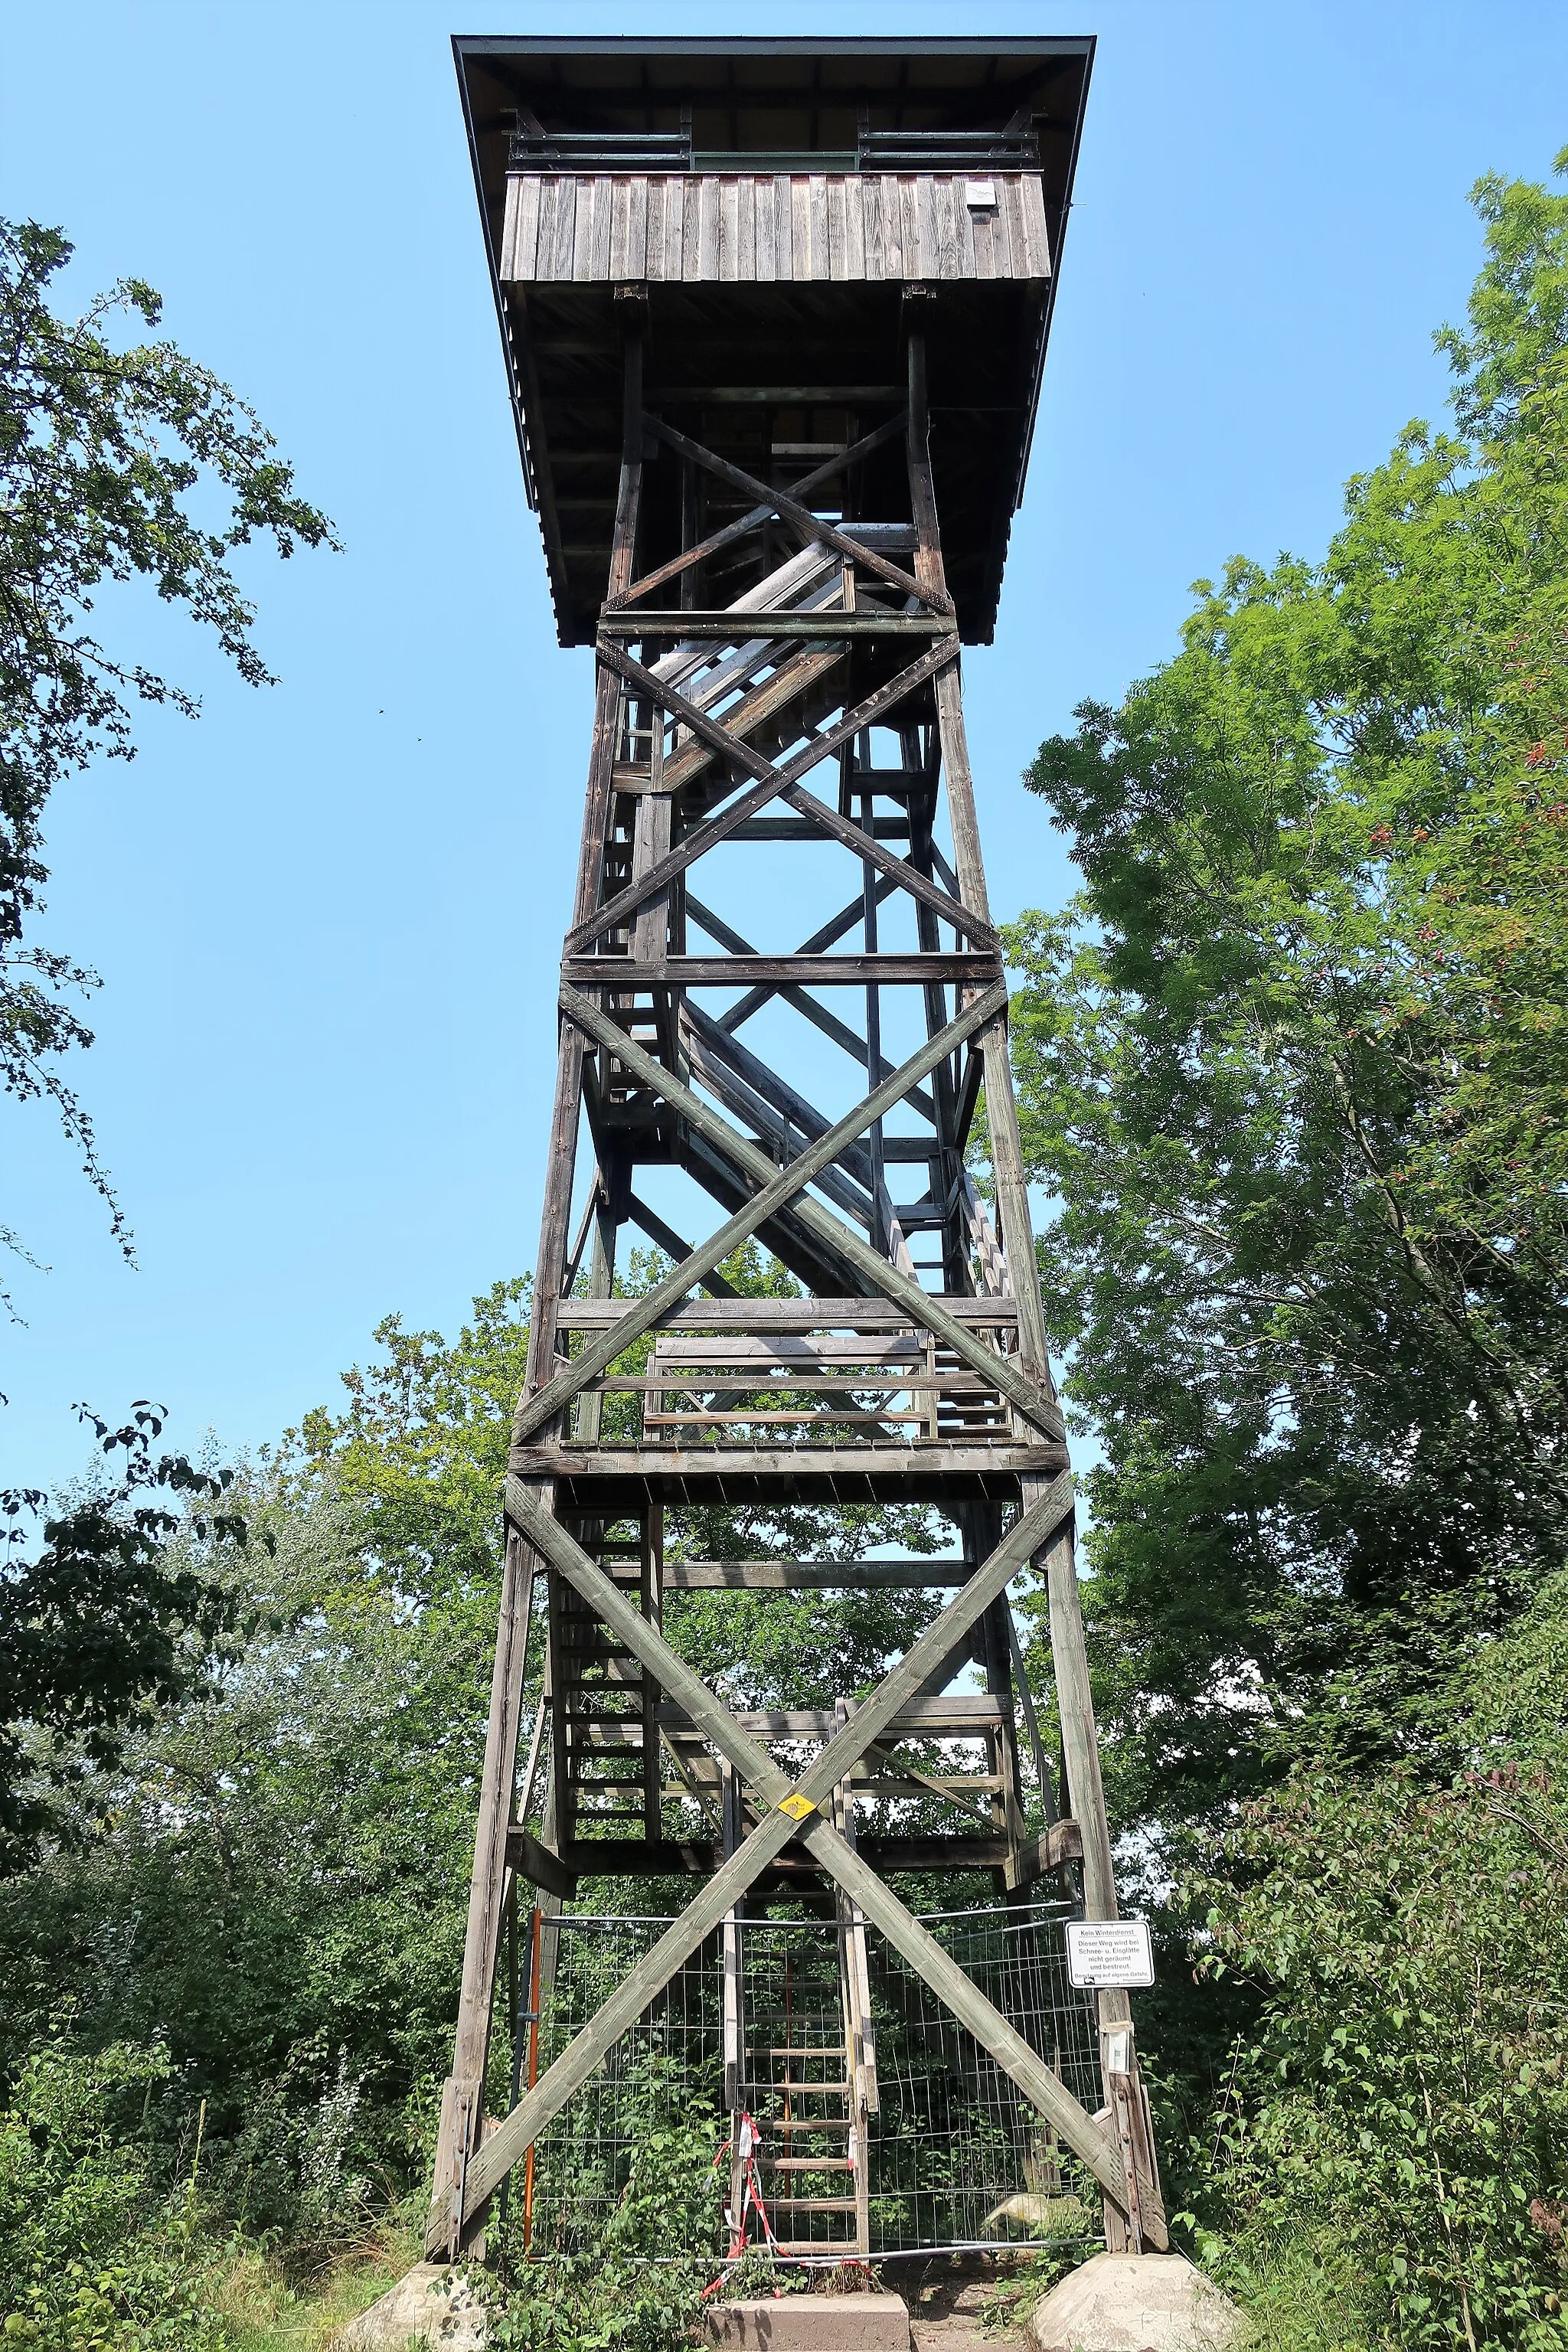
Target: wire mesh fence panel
point(667, 2071)
point(958, 2155)
point(953, 2154)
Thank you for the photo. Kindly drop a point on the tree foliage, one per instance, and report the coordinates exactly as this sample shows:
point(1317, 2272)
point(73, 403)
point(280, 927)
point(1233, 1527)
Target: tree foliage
point(1295, 1067)
point(115, 464)
point(108, 1623)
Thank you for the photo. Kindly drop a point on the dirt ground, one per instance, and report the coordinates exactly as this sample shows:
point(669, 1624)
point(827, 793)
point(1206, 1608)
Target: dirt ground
point(946, 2301)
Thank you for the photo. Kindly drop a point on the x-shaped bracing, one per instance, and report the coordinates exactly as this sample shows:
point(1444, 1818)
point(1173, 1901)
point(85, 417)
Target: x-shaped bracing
point(789, 1809)
point(778, 1187)
point(774, 782)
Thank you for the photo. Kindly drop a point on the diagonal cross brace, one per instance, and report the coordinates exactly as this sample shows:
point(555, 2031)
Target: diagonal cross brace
point(759, 514)
point(772, 783)
point(790, 509)
point(1034, 1528)
point(922, 1307)
point(780, 1186)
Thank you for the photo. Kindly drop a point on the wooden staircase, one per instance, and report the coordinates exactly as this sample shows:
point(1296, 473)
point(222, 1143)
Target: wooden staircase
point(606, 1707)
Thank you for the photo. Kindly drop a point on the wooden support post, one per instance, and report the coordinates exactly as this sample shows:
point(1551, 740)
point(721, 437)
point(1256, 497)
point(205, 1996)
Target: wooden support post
point(1086, 1801)
point(462, 2102)
point(462, 2109)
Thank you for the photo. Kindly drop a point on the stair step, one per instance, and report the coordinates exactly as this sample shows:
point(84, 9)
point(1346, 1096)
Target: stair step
point(815, 2204)
point(809, 2163)
point(817, 2090)
point(810, 2123)
point(818, 2245)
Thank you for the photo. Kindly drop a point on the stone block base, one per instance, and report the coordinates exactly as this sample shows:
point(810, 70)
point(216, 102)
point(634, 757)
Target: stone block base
point(418, 2307)
point(811, 2323)
point(1134, 2302)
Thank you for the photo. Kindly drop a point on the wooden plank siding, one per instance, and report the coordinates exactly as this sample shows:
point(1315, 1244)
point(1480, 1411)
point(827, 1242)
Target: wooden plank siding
point(709, 228)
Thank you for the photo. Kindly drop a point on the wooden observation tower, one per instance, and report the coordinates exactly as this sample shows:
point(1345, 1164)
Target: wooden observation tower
point(776, 314)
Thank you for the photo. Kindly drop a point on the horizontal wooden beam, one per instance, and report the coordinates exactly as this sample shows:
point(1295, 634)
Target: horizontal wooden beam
point(796, 828)
point(624, 1857)
point(734, 628)
point(937, 969)
point(538, 1864)
point(777, 396)
point(791, 1314)
point(1063, 1842)
point(641, 1463)
point(809, 1575)
point(953, 1715)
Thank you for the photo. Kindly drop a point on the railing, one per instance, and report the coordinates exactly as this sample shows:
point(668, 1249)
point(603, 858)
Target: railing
point(833, 1373)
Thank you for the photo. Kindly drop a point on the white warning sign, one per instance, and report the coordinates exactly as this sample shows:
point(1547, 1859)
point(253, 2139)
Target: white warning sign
point(1110, 1954)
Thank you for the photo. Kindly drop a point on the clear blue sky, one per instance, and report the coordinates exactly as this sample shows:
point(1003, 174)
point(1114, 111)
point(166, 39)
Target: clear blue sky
point(326, 1035)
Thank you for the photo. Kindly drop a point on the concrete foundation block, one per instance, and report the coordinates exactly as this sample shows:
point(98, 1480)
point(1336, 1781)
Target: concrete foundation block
point(1134, 2302)
point(811, 2323)
point(419, 2309)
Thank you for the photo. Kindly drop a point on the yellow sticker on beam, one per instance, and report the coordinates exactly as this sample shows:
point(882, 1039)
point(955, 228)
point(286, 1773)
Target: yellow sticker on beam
point(796, 1806)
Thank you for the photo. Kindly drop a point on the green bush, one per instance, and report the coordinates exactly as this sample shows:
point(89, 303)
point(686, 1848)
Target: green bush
point(1403, 2108)
point(640, 2287)
point(94, 2253)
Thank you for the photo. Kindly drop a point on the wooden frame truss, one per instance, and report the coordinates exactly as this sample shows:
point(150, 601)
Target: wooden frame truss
point(888, 1377)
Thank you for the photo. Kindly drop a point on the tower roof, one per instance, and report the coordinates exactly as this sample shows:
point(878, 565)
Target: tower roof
point(775, 201)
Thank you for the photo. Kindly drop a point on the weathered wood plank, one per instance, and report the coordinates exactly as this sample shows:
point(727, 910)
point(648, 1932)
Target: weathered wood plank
point(1037, 242)
point(654, 234)
point(982, 236)
point(620, 262)
point(746, 197)
point(837, 230)
point(885, 969)
point(944, 197)
point(636, 230)
point(963, 227)
point(816, 227)
point(928, 252)
point(707, 199)
point(565, 229)
point(1011, 207)
point(690, 228)
point(538, 1864)
point(853, 1470)
point(640, 621)
point(605, 192)
point(909, 225)
point(808, 227)
point(790, 1315)
point(809, 1575)
point(729, 229)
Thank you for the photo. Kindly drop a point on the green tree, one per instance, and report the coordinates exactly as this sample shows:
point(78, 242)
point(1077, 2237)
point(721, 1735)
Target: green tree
point(109, 1620)
point(1294, 1066)
point(115, 463)
point(1389, 2163)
